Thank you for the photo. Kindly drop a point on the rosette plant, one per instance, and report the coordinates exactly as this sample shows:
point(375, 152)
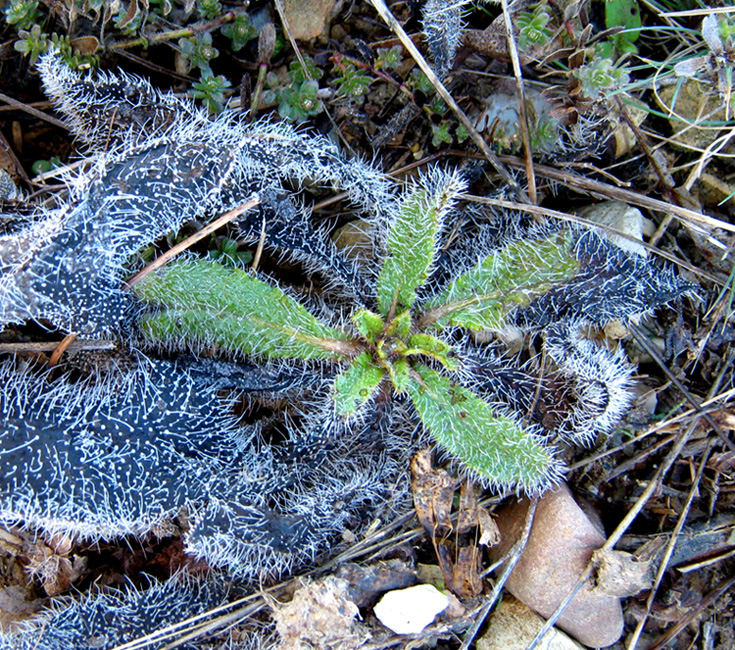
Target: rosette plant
point(405, 339)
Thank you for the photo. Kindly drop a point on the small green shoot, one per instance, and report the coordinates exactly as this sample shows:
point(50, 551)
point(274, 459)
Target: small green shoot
point(23, 14)
point(352, 83)
point(209, 9)
point(32, 43)
point(389, 58)
point(600, 76)
point(240, 31)
point(199, 51)
point(533, 28)
point(211, 90)
point(298, 100)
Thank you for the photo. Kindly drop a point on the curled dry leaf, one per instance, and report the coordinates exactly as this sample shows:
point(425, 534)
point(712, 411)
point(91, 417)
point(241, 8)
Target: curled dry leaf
point(620, 574)
point(433, 493)
point(458, 554)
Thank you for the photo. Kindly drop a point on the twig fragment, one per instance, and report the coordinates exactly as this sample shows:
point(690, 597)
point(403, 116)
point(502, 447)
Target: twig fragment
point(512, 560)
point(633, 641)
point(61, 348)
point(190, 241)
point(522, 113)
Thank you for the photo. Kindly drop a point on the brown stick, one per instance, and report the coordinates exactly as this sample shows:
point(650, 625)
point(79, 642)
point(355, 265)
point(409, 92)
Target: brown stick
point(32, 111)
point(60, 349)
point(621, 194)
point(189, 241)
point(522, 113)
point(49, 346)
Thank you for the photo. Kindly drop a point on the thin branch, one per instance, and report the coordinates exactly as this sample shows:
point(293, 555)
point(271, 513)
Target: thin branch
point(513, 557)
point(641, 339)
point(162, 37)
point(294, 45)
point(61, 348)
point(670, 548)
point(190, 241)
point(647, 493)
point(50, 346)
point(547, 212)
point(32, 111)
point(297, 50)
point(522, 112)
point(259, 248)
point(621, 194)
point(713, 596)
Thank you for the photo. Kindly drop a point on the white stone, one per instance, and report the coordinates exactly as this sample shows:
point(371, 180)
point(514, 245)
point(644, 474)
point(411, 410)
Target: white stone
point(621, 217)
point(409, 611)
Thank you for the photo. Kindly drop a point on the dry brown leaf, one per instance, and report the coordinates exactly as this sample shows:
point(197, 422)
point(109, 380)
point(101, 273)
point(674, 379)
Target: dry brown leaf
point(468, 509)
point(489, 531)
point(467, 572)
point(433, 494)
point(51, 564)
point(320, 616)
point(620, 574)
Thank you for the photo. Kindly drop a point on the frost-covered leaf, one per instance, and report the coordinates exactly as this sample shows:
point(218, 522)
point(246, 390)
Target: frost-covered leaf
point(411, 240)
point(207, 302)
point(442, 22)
point(511, 277)
point(357, 384)
point(123, 454)
point(161, 161)
point(90, 442)
point(110, 617)
point(711, 34)
point(610, 284)
point(494, 446)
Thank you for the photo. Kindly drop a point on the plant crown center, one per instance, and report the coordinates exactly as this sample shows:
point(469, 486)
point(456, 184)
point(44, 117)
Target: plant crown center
point(395, 340)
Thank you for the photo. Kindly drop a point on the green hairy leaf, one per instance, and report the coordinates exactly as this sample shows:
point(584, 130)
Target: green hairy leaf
point(400, 326)
point(208, 302)
point(412, 239)
point(370, 325)
point(482, 297)
point(357, 384)
point(400, 375)
point(493, 446)
point(431, 347)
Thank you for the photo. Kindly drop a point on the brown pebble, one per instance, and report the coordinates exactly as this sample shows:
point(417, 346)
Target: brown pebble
point(560, 545)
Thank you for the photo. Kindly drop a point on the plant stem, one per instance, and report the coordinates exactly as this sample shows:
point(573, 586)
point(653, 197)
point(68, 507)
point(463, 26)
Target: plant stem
point(197, 28)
